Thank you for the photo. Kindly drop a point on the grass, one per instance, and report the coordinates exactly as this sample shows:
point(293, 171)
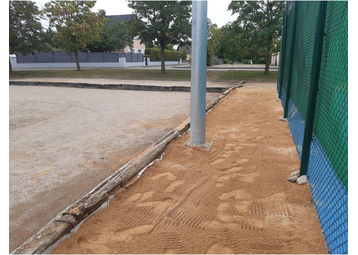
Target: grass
point(249, 76)
point(143, 74)
point(110, 73)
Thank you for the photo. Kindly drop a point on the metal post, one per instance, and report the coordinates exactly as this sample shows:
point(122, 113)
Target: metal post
point(290, 62)
point(312, 97)
point(282, 52)
point(198, 73)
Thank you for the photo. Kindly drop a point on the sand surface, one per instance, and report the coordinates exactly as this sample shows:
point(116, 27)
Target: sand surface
point(233, 198)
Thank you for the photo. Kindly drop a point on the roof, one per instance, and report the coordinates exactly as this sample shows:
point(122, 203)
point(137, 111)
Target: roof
point(115, 18)
point(187, 48)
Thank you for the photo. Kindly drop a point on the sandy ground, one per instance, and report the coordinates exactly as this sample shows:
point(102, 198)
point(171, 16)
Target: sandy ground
point(65, 141)
point(233, 198)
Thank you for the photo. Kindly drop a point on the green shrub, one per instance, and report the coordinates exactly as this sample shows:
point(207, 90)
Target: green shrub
point(261, 61)
point(154, 54)
point(225, 61)
point(183, 55)
point(209, 59)
point(245, 61)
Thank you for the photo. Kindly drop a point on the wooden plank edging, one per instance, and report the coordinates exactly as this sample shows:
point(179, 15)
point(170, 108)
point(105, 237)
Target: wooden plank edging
point(69, 218)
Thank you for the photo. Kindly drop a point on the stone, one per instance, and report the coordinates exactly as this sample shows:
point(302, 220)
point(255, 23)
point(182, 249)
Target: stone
point(302, 180)
point(292, 178)
point(295, 173)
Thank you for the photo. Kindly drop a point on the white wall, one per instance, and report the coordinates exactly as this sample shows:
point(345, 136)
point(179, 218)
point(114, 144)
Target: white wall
point(121, 63)
point(158, 63)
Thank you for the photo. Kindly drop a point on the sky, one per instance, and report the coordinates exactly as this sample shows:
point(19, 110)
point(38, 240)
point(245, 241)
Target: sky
point(217, 10)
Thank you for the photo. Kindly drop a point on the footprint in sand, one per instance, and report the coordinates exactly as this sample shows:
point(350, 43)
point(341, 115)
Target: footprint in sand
point(173, 186)
point(127, 235)
point(237, 194)
point(82, 241)
point(221, 180)
point(259, 138)
point(235, 218)
point(169, 176)
point(139, 196)
point(158, 207)
point(219, 249)
point(249, 177)
point(217, 161)
point(139, 200)
point(242, 161)
point(233, 170)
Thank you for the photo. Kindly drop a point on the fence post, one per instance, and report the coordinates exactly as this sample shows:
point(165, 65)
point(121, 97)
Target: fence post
point(282, 52)
point(312, 97)
point(290, 62)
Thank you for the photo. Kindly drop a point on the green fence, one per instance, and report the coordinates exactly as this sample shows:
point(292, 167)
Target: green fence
point(313, 88)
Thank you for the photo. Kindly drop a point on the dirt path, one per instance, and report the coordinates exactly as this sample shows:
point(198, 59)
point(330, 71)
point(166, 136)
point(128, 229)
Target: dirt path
point(233, 198)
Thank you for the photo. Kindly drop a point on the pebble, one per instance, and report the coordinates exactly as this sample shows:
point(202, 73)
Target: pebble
point(302, 180)
point(295, 173)
point(292, 178)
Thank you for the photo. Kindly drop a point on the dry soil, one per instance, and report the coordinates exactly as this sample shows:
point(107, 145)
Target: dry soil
point(233, 198)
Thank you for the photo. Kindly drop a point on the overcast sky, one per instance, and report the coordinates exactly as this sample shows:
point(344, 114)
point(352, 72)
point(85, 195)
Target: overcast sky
point(217, 10)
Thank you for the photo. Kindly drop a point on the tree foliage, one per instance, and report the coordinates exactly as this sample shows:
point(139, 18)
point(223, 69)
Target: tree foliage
point(232, 44)
point(76, 25)
point(26, 33)
point(261, 23)
point(165, 22)
point(214, 35)
point(115, 35)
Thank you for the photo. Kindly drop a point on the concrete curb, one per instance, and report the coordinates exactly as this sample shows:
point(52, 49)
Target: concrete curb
point(69, 218)
point(113, 86)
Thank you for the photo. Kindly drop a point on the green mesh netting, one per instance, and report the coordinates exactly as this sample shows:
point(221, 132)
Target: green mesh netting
point(303, 55)
point(331, 117)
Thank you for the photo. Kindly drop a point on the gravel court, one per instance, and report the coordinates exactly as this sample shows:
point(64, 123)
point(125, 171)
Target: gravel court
point(65, 141)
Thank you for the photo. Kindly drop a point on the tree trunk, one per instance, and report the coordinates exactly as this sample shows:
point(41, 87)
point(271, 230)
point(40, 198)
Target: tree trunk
point(10, 66)
point(267, 63)
point(162, 59)
point(77, 61)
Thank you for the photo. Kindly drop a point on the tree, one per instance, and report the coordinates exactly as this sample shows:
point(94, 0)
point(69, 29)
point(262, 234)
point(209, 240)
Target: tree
point(165, 22)
point(115, 35)
point(231, 45)
point(76, 25)
point(214, 35)
point(26, 34)
point(261, 22)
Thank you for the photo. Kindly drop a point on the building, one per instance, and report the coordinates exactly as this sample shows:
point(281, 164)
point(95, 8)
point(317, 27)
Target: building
point(187, 49)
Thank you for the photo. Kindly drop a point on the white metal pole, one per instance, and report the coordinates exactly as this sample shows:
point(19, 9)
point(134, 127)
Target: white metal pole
point(198, 73)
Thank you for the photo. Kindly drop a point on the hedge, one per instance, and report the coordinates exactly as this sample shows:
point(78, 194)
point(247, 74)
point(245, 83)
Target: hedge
point(154, 54)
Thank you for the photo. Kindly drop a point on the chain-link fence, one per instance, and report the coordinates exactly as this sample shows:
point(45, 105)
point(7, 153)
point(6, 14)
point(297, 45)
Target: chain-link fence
point(315, 44)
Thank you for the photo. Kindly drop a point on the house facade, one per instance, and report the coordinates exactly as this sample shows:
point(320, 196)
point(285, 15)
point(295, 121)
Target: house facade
point(187, 49)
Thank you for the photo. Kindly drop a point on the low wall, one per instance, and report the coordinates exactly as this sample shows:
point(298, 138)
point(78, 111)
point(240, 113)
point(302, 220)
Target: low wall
point(158, 63)
point(72, 65)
